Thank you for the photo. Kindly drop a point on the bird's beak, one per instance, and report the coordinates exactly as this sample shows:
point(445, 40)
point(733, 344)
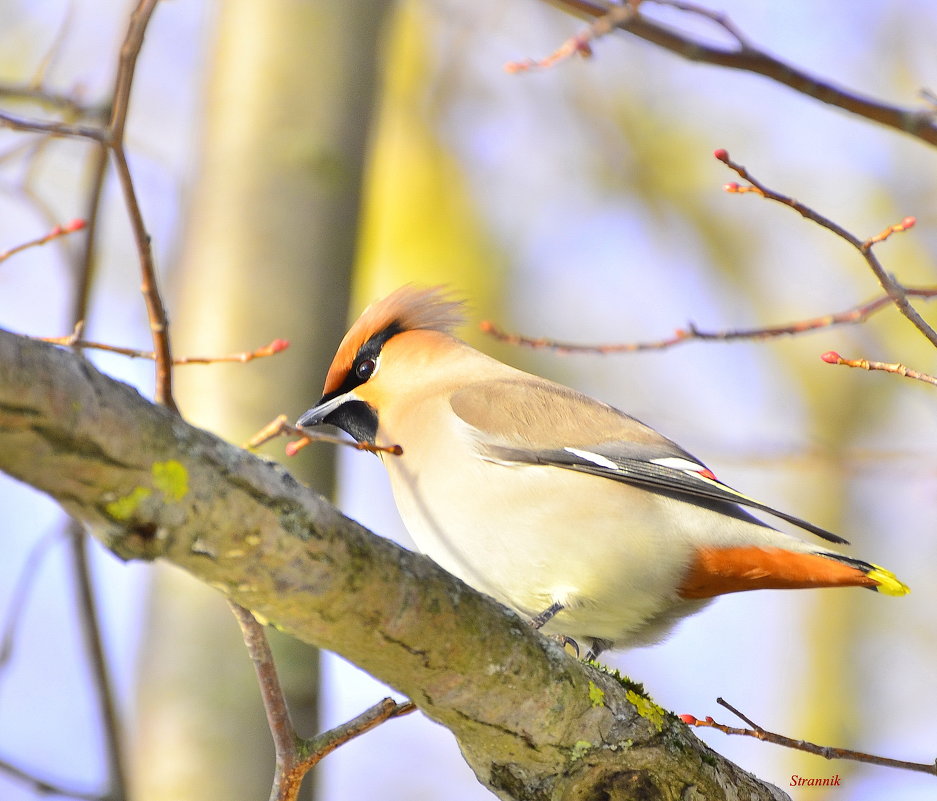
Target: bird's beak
point(317, 414)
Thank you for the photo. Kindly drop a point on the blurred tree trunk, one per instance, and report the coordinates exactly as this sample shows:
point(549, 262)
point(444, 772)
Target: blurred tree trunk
point(421, 222)
point(270, 241)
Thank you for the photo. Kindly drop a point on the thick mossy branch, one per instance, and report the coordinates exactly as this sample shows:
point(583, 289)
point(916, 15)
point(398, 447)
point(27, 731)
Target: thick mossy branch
point(148, 485)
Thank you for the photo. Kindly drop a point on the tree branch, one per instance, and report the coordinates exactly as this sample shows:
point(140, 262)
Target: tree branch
point(45, 787)
point(64, 101)
point(111, 136)
point(832, 357)
point(55, 233)
point(854, 316)
point(87, 609)
point(149, 285)
point(920, 123)
point(531, 721)
point(826, 751)
point(53, 128)
point(895, 290)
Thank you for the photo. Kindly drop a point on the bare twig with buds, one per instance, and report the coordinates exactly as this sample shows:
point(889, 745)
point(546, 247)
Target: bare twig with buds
point(55, 233)
point(855, 315)
point(622, 16)
point(895, 291)
point(825, 751)
point(111, 137)
point(832, 357)
point(74, 340)
point(741, 54)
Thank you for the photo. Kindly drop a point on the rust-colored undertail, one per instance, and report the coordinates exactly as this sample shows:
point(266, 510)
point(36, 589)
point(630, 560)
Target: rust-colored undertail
point(717, 571)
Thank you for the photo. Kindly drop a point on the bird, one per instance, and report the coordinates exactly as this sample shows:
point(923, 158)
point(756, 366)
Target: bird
point(593, 526)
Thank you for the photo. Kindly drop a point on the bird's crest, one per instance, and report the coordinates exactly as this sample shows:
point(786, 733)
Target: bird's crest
point(406, 309)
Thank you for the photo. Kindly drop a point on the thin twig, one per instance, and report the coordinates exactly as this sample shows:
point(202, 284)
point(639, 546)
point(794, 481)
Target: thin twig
point(855, 315)
point(44, 786)
point(55, 233)
point(149, 286)
point(271, 349)
point(296, 756)
point(895, 291)
point(315, 749)
point(112, 136)
point(896, 228)
point(620, 17)
point(581, 43)
point(324, 744)
point(285, 740)
point(832, 357)
point(920, 123)
point(48, 97)
point(100, 672)
point(56, 46)
point(74, 340)
point(828, 752)
point(87, 607)
point(280, 425)
point(86, 261)
point(719, 18)
point(53, 128)
point(722, 702)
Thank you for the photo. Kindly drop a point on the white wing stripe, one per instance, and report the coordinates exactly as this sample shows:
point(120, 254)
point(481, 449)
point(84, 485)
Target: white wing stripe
point(677, 463)
point(595, 458)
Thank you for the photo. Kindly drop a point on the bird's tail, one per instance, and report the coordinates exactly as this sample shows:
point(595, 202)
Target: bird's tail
point(886, 582)
point(718, 571)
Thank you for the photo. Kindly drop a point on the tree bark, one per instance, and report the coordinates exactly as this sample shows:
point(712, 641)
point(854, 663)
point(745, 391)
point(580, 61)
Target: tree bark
point(533, 722)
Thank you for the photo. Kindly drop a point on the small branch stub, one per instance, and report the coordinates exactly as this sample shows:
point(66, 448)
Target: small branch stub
point(832, 357)
point(897, 228)
point(280, 425)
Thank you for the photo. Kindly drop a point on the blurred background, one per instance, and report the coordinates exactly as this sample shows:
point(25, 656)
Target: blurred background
point(296, 159)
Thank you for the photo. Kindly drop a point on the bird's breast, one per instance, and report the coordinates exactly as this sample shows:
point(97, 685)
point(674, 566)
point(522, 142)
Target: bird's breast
point(531, 535)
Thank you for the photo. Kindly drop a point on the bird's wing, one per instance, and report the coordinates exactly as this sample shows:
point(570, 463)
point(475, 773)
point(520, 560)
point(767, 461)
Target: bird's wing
point(531, 421)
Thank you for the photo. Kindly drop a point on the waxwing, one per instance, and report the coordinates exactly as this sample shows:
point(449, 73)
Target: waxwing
point(576, 515)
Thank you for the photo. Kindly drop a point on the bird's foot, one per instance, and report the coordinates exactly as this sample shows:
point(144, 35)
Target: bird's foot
point(539, 621)
point(598, 646)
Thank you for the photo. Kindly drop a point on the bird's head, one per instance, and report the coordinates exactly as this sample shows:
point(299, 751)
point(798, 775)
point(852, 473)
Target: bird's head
point(359, 379)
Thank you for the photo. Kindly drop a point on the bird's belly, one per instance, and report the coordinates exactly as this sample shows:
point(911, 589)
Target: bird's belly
point(532, 536)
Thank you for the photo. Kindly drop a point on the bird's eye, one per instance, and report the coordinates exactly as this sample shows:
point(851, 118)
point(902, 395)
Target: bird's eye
point(365, 369)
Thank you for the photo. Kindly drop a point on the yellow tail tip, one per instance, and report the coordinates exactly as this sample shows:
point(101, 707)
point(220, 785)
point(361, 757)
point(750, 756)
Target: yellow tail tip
point(888, 583)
